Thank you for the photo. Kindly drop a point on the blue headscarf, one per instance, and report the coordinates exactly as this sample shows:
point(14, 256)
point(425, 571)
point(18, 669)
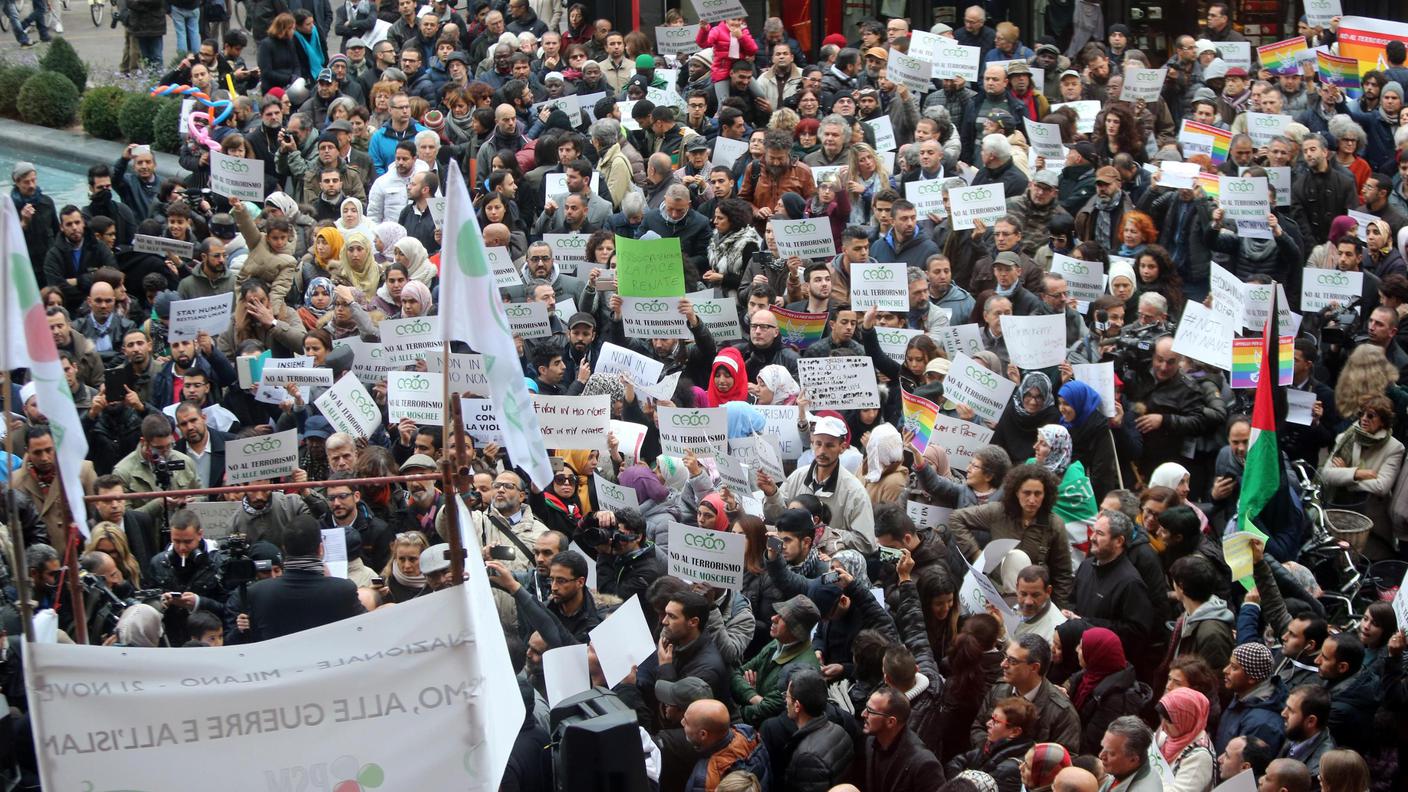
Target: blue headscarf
point(744, 420)
point(1083, 399)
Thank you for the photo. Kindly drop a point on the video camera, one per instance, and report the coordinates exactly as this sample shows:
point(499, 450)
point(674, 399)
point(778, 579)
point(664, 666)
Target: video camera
point(163, 468)
point(105, 606)
point(1134, 349)
point(237, 568)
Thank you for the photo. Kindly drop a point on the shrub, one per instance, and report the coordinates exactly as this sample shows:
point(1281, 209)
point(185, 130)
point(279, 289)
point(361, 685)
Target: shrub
point(166, 127)
point(99, 110)
point(11, 78)
point(62, 58)
point(48, 99)
point(137, 116)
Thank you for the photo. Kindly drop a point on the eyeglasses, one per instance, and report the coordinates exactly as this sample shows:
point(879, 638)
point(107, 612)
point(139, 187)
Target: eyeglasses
point(565, 479)
point(993, 720)
point(765, 326)
point(505, 485)
point(540, 258)
point(1008, 659)
point(877, 713)
point(342, 496)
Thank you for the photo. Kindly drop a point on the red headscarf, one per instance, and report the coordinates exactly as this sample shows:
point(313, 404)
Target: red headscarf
point(1104, 655)
point(713, 501)
point(731, 360)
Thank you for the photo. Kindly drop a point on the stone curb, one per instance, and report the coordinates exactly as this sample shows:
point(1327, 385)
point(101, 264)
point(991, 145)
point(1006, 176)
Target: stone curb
point(17, 137)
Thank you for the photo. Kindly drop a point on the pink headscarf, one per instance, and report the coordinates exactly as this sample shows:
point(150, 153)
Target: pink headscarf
point(1188, 710)
point(713, 501)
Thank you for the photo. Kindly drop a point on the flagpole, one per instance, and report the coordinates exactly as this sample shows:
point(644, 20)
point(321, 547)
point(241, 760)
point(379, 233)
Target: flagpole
point(448, 471)
point(20, 567)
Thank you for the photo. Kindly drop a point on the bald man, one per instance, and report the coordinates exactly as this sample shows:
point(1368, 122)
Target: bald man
point(105, 324)
point(721, 746)
point(496, 235)
point(1285, 775)
point(1074, 779)
point(506, 136)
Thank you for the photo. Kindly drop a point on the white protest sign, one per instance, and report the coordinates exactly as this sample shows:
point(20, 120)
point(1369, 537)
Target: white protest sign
point(408, 340)
point(335, 551)
point(414, 395)
point(922, 44)
point(759, 452)
point(952, 59)
point(1319, 13)
point(718, 10)
point(735, 475)
point(1086, 111)
point(189, 317)
point(1086, 279)
point(555, 188)
point(569, 105)
point(265, 457)
point(1262, 127)
point(1046, 140)
point(1227, 299)
point(1279, 179)
point(985, 202)
point(1145, 84)
point(719, 314)
point(961, 439)
point(623, 641)
point(614, 497)
point(879, 284)
point(237, 178)
point(1245, 781)
point(369, 361)
point(964, 338)
point(884, 132)
point(653, 317)
point(971, 384)
point(629, 436)
point(1101, 378)
point(588, 102)
point(839, 383)
point(215, 517)
point(702, 555)
point(701, 430)
point(1362, 221)
point(624, 108)
point(676, 39)
point(927, 517)
point(914, 73)
point(349, 408)
point(1243, 198)
point(927, 195)
point(188, 106)
point(1256, 306)
point(574, 422)
point(566, 672)
point(1235, 53)
point(1035, 342)
point(481, 420)
point(161, 246)
point(436, 204)
point(501, 261)
point(895, 340)
point(1204, 335)
point(809, 238)
point(528, 319)
point(782, 424)
point(727, 151)
point(641, 370)
point(1299, 404)
point(567, 247)
point(1320, 287)
point(1178, 175)
point(302, 376)
point(467, 376)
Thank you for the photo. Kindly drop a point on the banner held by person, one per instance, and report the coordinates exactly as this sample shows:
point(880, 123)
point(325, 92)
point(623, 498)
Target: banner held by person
point(189, 318)
point(839, 383)
point(574, 422)
point(416, 395)
point(263, 457)
point(701, 555)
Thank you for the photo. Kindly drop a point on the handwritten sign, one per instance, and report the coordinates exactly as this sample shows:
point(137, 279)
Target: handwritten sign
point(1035, 342)
point(467, 376)
point(985, 202)
point(417, 396)
point(574, 422)
point(1101, 378)
point(727, 151)
point(703, 430)
point(782, 424)
point(236, 177)
point(839, 383)
point(971, 384)
point(1205, 336)
point(189, 318)
point(264, 457)
point(649, 267)
point(641, 370)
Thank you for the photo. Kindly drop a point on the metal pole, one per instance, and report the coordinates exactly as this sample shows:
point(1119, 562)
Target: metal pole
point(20, 567)
point(447, 474)
point(241, 488)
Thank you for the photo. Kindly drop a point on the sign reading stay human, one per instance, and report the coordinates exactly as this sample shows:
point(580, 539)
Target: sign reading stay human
point(189, 317)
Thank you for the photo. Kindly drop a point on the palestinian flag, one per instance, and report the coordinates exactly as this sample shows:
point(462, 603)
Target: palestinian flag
point(1261, 476)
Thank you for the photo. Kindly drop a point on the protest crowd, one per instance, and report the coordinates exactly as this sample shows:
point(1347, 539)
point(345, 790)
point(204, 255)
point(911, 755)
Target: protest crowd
point(912, 385)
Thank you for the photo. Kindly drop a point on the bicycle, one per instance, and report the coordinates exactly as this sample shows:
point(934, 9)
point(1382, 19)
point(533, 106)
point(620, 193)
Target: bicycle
point(53, 19)
point(97, 9)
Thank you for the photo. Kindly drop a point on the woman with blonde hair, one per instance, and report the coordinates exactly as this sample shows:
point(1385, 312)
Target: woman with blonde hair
point(868, 176)
point(1368, 373)
point(108, 537)
point(402, 573)
point(784, 118)
point(1363, 466)
point(1343, 770)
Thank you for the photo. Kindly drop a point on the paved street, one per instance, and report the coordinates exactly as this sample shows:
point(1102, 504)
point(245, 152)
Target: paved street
point(100, 47)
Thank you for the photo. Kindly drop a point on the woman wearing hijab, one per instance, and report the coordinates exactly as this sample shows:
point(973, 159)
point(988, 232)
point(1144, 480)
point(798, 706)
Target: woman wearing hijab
point(1363, 466)
point(355, 265)
point(1033, 406)
point(1041, 764)
point(416, 300)
point(1322, 256)
point(411, 254)
point(1065, 661)
point(728, 379)
point(1075, 500)
point(712, 513)
point(1177, 478)
point(1105, 688)
point(1183, 740)
point(884, 471)
point(386, 234)
point(140, 626)
point(775, 385)
point(317, 302)
point(658, 506)
point(319, 260)
point(349, 316)
point(1091, 441)
point(1122, 285)
point(351, 217)
point(1383, 258)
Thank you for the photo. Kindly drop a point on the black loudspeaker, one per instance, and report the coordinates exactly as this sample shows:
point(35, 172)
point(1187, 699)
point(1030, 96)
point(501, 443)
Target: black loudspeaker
point(596, 745)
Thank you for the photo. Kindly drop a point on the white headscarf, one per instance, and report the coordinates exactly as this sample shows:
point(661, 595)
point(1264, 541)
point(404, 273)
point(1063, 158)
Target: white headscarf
point(884, 448)
point(779, 380)
point(1169, 474)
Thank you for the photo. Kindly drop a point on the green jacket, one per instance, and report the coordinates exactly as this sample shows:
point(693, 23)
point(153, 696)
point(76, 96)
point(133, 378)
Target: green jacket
point(137, 475)
point(1075, 499)
point(773, 671)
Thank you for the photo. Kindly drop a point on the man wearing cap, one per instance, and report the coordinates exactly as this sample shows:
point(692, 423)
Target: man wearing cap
point(323, 95)
point(1257, 698)
point(308, 173)
point(304, 597)
point(39, 218)
point(1069, 86)
point(1036, 207)
point(422, 501)
point(1019, 76)
point(874, 59)
point(677, 755)
point(1099, 220)
point(760, 684)
point(1009, 274)
point(1077, 183)
point(1236, 93)
point(835, 486)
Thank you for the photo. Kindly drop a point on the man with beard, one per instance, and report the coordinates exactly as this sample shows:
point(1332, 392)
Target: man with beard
point(210, 276)
point(346, 511)
point(765, 183)
point(39, 218)
point(189, 574)
point(1321, 191)
point(835, 486)
point(1305, 442)
point(513, 522)
point(188, 356)
point(895, 757)
point(994, 97)
point(201, 443)
point(582, 341)
point(37, 479)
point(506, 137)
point(329, 155)
point(1100, 219)
point(100, 202)
point(103, 325)
point(265, 515)
point(538, 265)
point(570, 613)
point(85, 356)
point(422, 500)
point(1036, 207)
point(904, 243)
point(1307, 717)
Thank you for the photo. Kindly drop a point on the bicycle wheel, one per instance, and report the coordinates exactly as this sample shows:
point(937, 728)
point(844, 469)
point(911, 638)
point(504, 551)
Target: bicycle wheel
point(96, 10)
point(242, 11)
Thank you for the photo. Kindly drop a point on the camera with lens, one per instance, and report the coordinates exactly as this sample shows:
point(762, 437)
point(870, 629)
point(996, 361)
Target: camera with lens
point(163, 468)
point(105, 606)
point(1339, 327)
point(1134, 349)
point(237, 568)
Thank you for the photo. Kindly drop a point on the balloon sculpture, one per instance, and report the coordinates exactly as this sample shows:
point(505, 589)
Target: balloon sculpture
point(199, 122)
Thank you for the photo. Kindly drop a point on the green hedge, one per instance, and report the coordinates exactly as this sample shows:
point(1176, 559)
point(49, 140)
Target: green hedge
point(49, 99)
point(166, 128)
point(99, 111)
point(11, 78)
point(137, 118)
point(62, 58)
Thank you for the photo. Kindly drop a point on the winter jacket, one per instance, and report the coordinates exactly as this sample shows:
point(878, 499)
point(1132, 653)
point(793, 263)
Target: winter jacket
point(1277, 262)
point(820, 756)
point(137, 476)
point(1207, 632)
point(1057, 720)
point(60, 264)
point(1114, 596)
point(382, 146)
point(718, 38)
point(1045, 543)
point(146, 18)
point(627, 575)
point(1036, 220)
point(742, 749)
point(1001, 760)
point(1181, 405)
point(1352, 702)
point(773, 665)
point(281, 61)
point(1115, 696)
point(835, 637)
point(275, 269)
point(1014, 182)
point(1086, 220)
point(1257, 714)
point(851, 513)
point(906, 766)
point(1322, 197)
point(913, 252)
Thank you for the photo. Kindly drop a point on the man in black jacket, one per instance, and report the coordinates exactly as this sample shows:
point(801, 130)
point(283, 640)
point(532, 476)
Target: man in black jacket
point(819, 752)
point(189, 572)
point(1109, 591)
point(896, 759)
point(304, 597)
point(1323, 192)
point(74, 257)
point(38, 217)
point(685, 651)
point(631, 562)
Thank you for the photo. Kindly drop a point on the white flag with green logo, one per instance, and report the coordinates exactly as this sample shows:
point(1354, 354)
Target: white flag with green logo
point(470, 311)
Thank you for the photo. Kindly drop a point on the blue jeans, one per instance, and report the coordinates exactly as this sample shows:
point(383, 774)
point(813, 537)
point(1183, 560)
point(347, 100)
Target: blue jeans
point(186, 21)
point(16, 26)
point(36, 18)
point(151, 48)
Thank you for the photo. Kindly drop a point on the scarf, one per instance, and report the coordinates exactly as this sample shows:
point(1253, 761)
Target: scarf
point(727, 250)
point(140, 626)
point(609, 384)
point(304, 563)
point(731, 360)
point(1187, 709)
point(333, 237)
point(644, 481)
point(720, 512)
point(421, 292)
point(418, 266)
point(1083, 399)
point(416, 581)
point(22, 200)
point(1257, 249)
point(366, 278)
point(1034, 379)
point(1355, 443)
point(1104, 655)
point(1169, 474)
point(388, 233)
point(780, 381)
point(1059, 458)
point(744, 420)
point(253, 512)
point(313, 285)
point(883, 448)
point(364, 225)
point(1104, 216)
point(1006, 291)
point(312, 50)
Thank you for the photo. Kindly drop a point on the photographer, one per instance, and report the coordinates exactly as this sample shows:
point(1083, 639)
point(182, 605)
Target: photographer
point(156, 466)
point(268, 563)
point(626, 562)
point(1168, 408)
point(265, 515)
point(188, 572)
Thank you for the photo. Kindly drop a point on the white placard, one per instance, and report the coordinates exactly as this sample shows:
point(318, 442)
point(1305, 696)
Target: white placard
point(1035, 342)
point(555, 188)
point(927, 517)
point(839, 383)
point(1320, 287)
point(735, 475)
point(576, 423)
point(1235, 53)
point(264, 457)
point(884, 133)
point(703, 430)
point(210, 314)
point(759, 452)
point(1086, 279)
point(1194, 143)
point(1178, 175)
point(1038, 77)
point(237, 177)
point(566, 672)
point(369, 361)
point(1362, 221)
point(952, 59)
point(923, 44)
point(1101, 378)
point(415, 395)
point(676, 40)
point(569, 105)
point(588, 102)
point(1245, 781)
point(927, 195)
point(567, 247)
point(879, 284)
point(1145, 84)
point(963, 338)
point(1205, 336)
point(718, 10)
point(501, 261)
point(1279, 178)
point(1046, 140)
point(409, 340)
point(302, 376)
point(629, 437)
point(436, 204)
point(215, 517)
point(188, 106)
point(719, 314)
point(809, 238)
point(1256, 306)
point(1299, 404)
point(702, 555)
point(335, 551)
point(623, 640)
point(467, 376)
point(782, 424)
point(1086, 111)
point(985, 202)
point(349, 408)
point(641, 370)
point(653, 317)
point(613, 497)
point(624, 108)
point(1227, 299)
point(1319, 13)
point(481, 420)
point(727, 151)
point(1264, 126)
point(1243, 198)
point(895, 340)
point(528, 319)
point(971, 384)
point(914, 73)
point(161, 246)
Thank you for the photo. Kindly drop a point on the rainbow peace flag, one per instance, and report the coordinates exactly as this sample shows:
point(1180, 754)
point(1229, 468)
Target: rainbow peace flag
point(919, 417)
point(1221, 138)
point(799, 329)
point(1246, 361)
point(1336, 70)
point(1211, 184)
point(1281, 56)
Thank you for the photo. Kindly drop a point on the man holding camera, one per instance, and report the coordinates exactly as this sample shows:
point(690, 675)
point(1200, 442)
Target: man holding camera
point(189, 572)
point(156, 465)
point(626, 562)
